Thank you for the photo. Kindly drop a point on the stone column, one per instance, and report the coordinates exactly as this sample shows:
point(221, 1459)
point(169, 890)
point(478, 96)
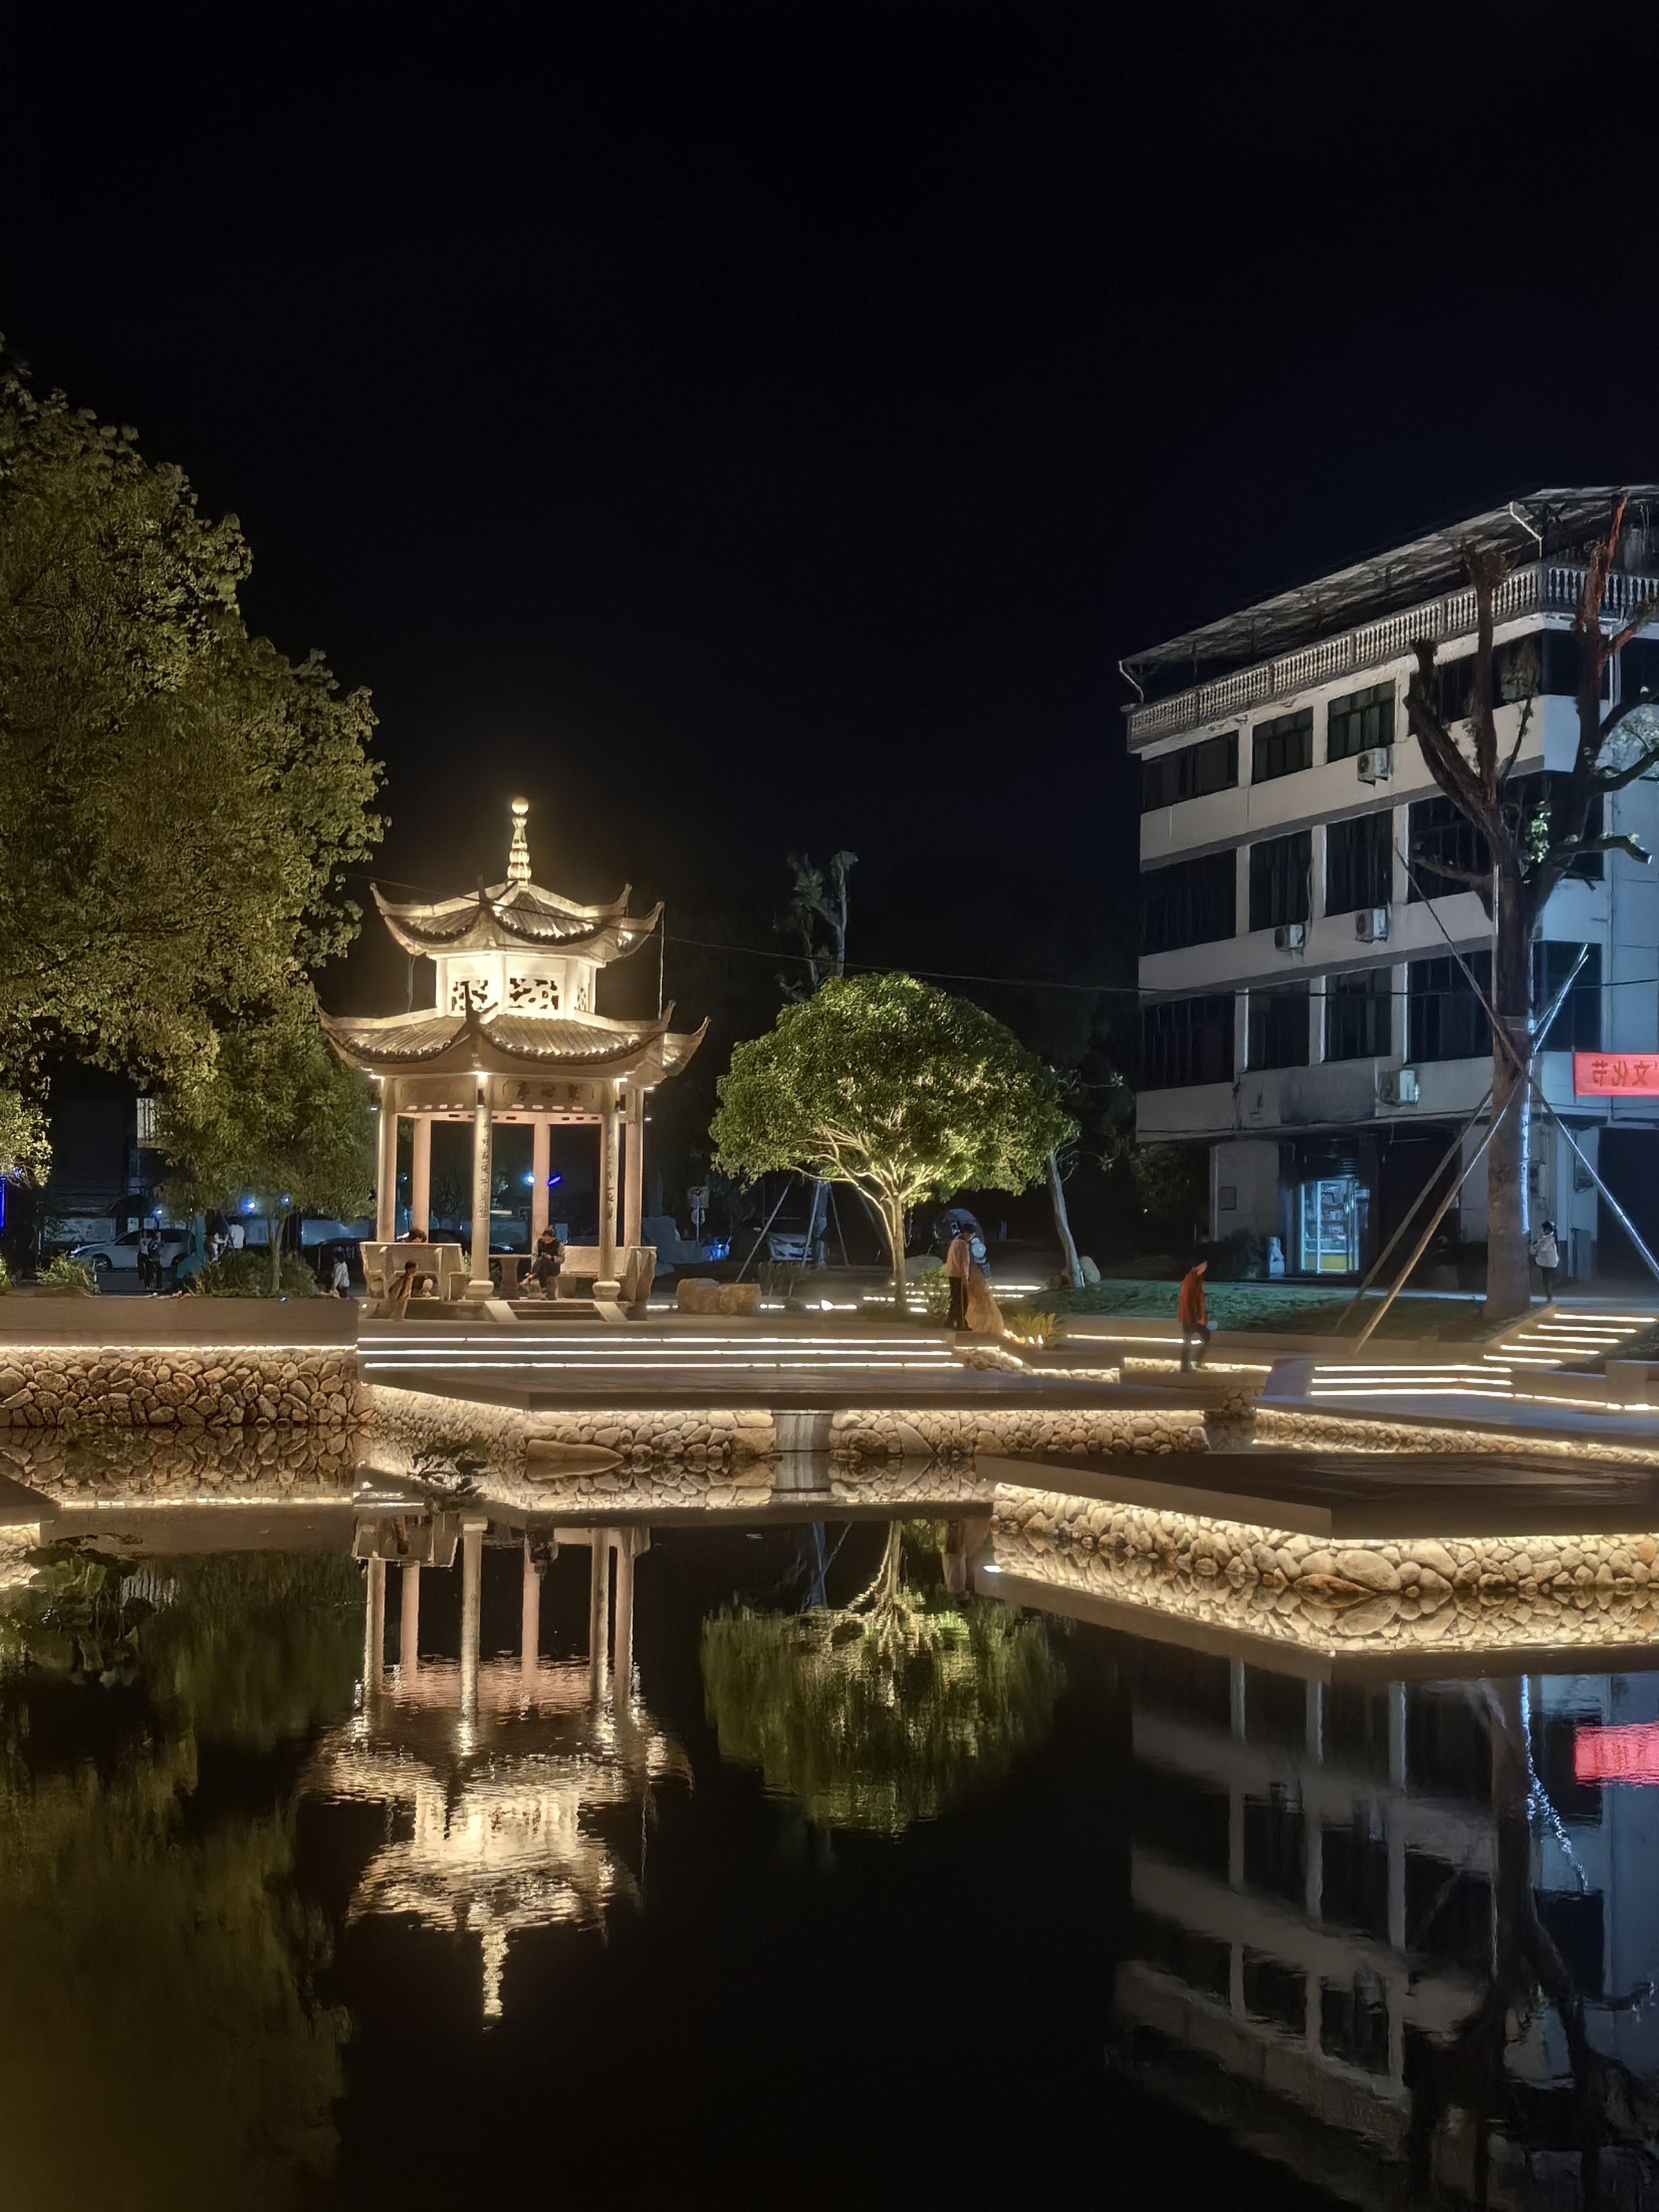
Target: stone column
point(530, 1614)
point(624, 1655)
point(472, 1533)
point(607, 1190)
point(374, 1624)
point(480, 1285)
point(541, 1150)
point(420, 1176)
point(408, 1620)
point(598, 1607)
point(634, 1167)
point(386, 1167)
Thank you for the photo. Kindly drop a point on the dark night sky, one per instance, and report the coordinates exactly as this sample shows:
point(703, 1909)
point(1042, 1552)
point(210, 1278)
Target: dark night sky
point(739, 440)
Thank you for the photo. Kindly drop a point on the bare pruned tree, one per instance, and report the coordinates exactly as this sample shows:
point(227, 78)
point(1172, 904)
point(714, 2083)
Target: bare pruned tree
point(1532, 844)
point(817, 915)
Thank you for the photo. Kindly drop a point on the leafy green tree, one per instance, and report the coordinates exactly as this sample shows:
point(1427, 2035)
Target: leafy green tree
point(176, 801)
point(884, 1712)
point(161, 2032)
point(25, 1148)
point(277, 1116)
point(899, 1090)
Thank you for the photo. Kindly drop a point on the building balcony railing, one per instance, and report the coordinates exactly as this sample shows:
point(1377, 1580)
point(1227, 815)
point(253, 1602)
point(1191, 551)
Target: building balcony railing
point(1546, 588)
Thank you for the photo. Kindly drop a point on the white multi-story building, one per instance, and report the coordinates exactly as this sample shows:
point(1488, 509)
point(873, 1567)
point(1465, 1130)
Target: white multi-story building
point(1302, 1013)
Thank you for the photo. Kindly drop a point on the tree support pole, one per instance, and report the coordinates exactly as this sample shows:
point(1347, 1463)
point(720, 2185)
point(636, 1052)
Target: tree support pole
point(1444, 1206)
point(770, 1218)
point(409, 1618)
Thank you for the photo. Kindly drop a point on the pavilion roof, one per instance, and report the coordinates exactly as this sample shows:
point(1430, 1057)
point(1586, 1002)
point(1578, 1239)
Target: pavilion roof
point(499, 917)
point(429, 1042)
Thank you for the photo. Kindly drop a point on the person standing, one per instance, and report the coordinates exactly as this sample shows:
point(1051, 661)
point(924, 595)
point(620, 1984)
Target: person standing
point(1190, 1313)
point(958, 1266)
point(1547, 1252)
point(340, 1283)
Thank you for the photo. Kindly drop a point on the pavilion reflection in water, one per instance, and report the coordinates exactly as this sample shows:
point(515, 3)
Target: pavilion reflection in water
point(500, 1777)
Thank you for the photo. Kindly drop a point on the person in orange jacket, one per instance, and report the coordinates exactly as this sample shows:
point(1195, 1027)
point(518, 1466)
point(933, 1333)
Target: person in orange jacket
point(1189, 1312)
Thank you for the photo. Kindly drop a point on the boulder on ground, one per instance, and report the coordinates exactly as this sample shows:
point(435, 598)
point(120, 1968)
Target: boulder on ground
point(701, 1294)
point(1091, 1272)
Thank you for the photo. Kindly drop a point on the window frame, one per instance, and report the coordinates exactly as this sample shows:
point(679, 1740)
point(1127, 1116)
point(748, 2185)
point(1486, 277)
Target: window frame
point(1378, 699)
point(1264, 879)
point(1357, 987)
point(1270, 740)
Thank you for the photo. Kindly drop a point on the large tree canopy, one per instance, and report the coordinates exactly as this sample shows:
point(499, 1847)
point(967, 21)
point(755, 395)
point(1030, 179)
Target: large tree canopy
point(276, 1116)
point(898, 1088)
point(177, 801)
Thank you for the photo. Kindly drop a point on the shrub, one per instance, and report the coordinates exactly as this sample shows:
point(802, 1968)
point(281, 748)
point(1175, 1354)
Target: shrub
point(247, 1274)
point(1031, 1325)
point(66, 1278)
point(777, 1278)
point(5, 1278)
point(932, 1290)
point(1241, 1257)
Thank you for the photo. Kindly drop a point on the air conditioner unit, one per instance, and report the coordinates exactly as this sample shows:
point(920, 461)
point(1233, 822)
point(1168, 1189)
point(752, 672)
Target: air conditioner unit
point(1376, 766)
point(1371, 925)
point(1290, 937)
point(1399, 1086)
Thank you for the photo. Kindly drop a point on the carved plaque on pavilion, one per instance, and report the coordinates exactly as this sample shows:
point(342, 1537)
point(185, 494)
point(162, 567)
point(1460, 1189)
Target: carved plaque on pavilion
point(533, 994)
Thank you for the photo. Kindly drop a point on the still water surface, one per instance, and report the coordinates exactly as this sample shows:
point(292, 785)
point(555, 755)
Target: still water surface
point(830, 1903)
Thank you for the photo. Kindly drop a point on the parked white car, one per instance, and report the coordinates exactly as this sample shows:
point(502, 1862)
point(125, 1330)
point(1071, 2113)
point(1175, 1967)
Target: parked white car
point(123, 1251)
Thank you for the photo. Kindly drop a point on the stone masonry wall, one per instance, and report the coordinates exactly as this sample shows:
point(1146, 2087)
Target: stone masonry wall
point(198, 1386)
point(1324, 1431)
point(1522, 1590)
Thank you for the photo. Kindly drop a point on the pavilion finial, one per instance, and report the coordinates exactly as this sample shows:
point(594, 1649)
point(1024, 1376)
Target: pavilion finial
point(518, 858)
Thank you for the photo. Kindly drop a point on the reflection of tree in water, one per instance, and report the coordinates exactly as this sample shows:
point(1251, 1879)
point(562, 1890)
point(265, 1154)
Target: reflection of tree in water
point(1609, 2105)
point(160, 2043)
point(885, 1712)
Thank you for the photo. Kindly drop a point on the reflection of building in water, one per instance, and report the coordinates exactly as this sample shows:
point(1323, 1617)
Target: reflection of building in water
point(499, 1778)
point(1315, 1875)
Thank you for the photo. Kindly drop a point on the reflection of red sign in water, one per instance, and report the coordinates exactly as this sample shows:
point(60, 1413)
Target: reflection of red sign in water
point(1629, 1754)
point(1615, 1075)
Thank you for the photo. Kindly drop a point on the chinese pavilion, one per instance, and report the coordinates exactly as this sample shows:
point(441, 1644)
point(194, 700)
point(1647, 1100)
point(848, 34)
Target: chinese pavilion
point(513, 1037)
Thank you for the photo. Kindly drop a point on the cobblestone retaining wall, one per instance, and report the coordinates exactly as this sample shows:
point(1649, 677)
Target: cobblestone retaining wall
point(112, 1464)
point(1272, 1582)
point(1322, 1431)
point(193, 1387)
point(938, 1434)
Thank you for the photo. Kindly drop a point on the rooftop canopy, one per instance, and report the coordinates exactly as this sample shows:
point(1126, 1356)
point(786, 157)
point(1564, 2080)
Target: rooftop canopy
point(1545, 524)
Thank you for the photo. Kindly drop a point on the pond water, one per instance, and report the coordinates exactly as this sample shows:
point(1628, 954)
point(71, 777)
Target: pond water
point(903, 1890)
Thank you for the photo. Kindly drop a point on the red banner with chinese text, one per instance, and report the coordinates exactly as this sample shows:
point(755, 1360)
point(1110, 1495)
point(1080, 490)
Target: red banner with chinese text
point(1615, 1075)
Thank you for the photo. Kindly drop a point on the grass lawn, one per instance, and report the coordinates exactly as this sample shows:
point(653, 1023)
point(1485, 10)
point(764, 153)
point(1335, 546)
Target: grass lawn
point(1287, 1309)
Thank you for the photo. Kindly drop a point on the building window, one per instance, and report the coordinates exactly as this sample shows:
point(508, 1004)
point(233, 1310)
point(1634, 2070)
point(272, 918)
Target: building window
point(1359, 863)
point(1192, 902)
point(1357, 1023)
point(1362, 721)
point(1192, 773)
point(1577, 1027)
point(1447, 1021)
point(1441, 838)
point(1281, 874)
point(1279, 1027)
point(1281, 746)
point(1331, 1214)
point(1186, 1040)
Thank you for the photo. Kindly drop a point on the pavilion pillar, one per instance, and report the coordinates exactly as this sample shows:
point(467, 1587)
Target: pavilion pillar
point(608, 1188)
point(598, 1609)
point(634, 1179)
point(385, 1166)
point(420, 1176)
point(473, 1534)
point(480, 1285)
point(409, 1618)
point(541, 1163)
point(625, 1654)
point(375, 1624)
point(530, 1614)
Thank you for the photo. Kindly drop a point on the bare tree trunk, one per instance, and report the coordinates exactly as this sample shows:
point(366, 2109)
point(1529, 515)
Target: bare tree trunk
point(1508, 1281)
point(892, 1222)
point(1063, 1224)
point(272, 1228)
